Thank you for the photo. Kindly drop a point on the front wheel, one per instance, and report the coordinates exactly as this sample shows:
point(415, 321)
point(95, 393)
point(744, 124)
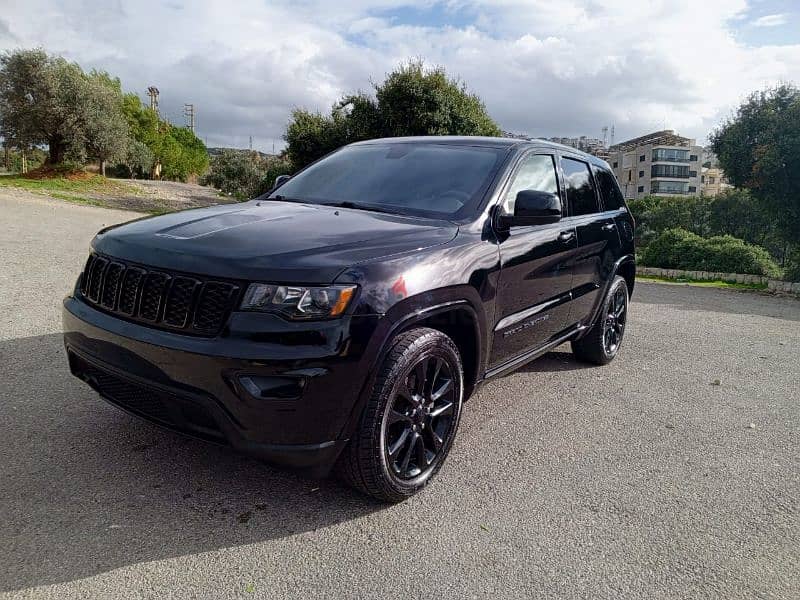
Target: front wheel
point(602, 342)
point(411, 419)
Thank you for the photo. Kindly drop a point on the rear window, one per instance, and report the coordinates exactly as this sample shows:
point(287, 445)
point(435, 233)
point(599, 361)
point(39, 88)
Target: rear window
point(434, 180)
point(580, 191)
point(609, 190)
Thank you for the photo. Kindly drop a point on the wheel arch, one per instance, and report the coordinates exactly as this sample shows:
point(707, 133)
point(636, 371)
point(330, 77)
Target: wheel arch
point(625, 266)
point(456, 318)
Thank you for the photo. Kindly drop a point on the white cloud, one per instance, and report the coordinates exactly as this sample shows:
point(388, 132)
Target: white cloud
point(770, 21)
point(541, 67)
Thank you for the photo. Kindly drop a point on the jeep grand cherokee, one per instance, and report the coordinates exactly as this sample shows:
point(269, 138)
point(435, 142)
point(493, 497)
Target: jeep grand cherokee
point(341, 320)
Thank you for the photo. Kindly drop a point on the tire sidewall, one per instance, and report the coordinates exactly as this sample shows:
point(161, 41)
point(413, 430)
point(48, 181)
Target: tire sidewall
point(618, 282)
point(428, 345)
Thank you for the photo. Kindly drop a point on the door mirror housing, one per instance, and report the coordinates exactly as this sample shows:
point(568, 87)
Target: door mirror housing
point(533, 207)
point(280, 180)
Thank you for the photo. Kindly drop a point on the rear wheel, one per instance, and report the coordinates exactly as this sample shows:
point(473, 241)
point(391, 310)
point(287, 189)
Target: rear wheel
point(602, 342)
point(411, 419)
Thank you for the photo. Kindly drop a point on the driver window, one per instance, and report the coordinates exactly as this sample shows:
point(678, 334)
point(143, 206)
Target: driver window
point(536, 172)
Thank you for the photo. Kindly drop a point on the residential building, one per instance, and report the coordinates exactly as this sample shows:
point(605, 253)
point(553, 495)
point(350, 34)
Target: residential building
point(713, 181)
point(660, 163)
point(591, 145)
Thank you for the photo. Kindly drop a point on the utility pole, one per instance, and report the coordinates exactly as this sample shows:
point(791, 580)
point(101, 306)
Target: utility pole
point(152, 91)
point(251, 143)
point(188, 112)
point(612, 134)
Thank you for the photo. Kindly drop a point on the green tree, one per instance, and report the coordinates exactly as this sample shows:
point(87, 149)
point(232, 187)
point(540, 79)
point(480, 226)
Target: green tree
point(237, 173)
point(759, 149)
point(106, 126)
point(48, 100)
point(412, 100)
point(138, 159)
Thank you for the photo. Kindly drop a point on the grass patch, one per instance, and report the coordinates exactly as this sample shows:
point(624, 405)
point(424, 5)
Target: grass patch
point(90, 184)
point(717, 283)
point(75, 199)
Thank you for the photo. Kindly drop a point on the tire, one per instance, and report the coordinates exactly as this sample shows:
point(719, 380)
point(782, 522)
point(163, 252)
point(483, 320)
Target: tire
point(602, 342)
point(383, 458)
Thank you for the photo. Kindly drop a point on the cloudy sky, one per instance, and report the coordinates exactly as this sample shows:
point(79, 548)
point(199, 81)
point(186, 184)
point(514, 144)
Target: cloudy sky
point(543, 67)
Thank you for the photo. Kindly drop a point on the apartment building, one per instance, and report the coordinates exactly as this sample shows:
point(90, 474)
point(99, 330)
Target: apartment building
point(660, 163)
point(583, 143)
point(713, 181)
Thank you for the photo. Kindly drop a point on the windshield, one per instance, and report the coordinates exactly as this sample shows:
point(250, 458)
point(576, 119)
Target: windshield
point(430, 180)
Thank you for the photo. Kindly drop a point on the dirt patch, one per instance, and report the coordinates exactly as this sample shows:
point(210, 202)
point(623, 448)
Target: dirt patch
point(164, 196)
point(47, 172)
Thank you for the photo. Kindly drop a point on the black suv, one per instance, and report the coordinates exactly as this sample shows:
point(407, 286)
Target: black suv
point(342, 319)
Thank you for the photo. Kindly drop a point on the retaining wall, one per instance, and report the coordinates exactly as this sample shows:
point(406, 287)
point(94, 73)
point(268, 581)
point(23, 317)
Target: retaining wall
point(775, 285)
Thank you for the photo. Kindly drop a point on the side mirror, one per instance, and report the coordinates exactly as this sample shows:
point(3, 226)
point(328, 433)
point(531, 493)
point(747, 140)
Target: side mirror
point(533, 207)
point(280, 180)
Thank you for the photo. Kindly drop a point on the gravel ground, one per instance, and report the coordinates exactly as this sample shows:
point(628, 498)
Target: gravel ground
point(672, 473)
point(166, 196)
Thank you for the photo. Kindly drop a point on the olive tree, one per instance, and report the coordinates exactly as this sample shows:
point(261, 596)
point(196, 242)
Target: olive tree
point(48, 100)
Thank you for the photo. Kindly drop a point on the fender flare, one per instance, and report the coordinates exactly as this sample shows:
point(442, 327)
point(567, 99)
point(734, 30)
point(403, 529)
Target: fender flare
point(612, 273)
point(404, 322)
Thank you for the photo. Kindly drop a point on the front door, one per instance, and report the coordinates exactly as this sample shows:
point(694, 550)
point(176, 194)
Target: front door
point(536, 274)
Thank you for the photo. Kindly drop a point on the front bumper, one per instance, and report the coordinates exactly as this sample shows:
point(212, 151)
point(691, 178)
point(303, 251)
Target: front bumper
point(282, 391)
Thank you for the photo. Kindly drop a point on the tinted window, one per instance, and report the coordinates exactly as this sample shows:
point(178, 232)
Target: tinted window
point(435, 180)
point(580, 191)
point(609, 190)
point(536, 172)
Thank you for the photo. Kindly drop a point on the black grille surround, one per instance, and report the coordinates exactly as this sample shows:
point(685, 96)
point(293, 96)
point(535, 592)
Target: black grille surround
point(190, 304)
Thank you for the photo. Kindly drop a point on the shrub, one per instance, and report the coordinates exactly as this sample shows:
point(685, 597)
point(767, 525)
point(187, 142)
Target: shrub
point(665, 251)
point(793, 266)
point(244, 174)
point(681, 249)
point(275, 167)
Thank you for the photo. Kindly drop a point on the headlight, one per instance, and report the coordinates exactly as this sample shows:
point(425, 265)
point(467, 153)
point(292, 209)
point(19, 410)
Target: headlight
point(299, 302)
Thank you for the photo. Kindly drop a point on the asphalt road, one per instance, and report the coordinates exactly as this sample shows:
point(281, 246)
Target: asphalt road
point(642, 479)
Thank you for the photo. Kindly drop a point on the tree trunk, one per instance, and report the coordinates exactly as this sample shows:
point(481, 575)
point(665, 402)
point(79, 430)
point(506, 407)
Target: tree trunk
point(103, 168)
point(56, 154)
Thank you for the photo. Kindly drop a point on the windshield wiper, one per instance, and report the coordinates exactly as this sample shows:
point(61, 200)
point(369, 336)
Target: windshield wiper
point(354, 205)
point(281, 198)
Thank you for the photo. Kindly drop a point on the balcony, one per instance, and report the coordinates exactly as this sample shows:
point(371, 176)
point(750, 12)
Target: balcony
point(670, 155)
point(670, 171)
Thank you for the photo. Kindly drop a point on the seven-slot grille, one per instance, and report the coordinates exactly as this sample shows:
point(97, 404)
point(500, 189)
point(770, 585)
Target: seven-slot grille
point(175, 301)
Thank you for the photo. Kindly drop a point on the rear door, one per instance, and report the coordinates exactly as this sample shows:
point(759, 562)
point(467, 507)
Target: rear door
point(598, 240)
point(536, 276)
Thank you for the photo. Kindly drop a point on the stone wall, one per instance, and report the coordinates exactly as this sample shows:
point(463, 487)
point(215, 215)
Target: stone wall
point(774, 285)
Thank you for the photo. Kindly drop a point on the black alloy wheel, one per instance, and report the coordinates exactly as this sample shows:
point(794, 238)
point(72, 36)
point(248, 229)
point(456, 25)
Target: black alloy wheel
point(410, 420)
point(601, 343)
point(420, 417)
point(615, 320)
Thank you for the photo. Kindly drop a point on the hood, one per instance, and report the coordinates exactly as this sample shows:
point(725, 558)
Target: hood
point(269, 241)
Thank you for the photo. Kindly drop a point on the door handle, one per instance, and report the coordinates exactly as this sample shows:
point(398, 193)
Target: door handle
point(566, 236)
point(609, 227)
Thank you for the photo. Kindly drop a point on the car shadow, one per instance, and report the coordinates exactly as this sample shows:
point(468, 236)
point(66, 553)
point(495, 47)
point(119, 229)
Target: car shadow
point(87, 488)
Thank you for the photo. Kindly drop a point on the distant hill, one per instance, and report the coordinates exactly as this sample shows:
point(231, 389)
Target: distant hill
point(216, 151)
